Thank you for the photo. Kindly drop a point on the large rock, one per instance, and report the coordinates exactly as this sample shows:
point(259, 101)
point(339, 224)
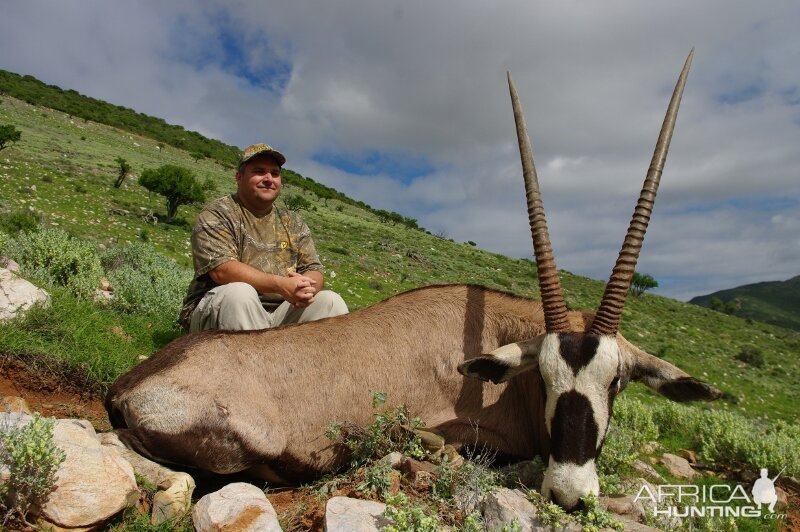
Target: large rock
point(18, 295)
point(624, 506)
point(343, 514)
point(174, 497)
point(238, 506)
point(93, 484)
point(678, 466)
point(505, 506)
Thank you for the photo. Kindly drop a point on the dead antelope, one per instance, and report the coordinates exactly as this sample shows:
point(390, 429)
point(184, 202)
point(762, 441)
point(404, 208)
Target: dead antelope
point(261, 400)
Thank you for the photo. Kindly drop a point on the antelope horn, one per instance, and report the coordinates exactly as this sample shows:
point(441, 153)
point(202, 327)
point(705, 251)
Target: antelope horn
point(555, 310)
point(606, 320)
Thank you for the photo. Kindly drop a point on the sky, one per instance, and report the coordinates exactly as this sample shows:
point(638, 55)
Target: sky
point(404, 105)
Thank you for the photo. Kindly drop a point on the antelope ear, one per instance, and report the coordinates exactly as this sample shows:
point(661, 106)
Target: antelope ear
point(668, 380)
point(504, 362)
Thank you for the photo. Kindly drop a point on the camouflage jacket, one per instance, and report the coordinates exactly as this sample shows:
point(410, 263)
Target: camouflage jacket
point(277, 243)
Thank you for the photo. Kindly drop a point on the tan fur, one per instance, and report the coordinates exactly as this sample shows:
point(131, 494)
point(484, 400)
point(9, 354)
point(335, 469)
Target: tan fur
point(276, 391)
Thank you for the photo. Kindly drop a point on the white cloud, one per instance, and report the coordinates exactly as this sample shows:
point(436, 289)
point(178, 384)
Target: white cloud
point(428, 79)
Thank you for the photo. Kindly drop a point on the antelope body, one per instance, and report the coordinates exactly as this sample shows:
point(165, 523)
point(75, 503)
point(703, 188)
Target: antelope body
point(262, 400)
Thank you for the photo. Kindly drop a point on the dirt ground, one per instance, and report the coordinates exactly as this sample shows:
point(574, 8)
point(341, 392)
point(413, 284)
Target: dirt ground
point(299, 509)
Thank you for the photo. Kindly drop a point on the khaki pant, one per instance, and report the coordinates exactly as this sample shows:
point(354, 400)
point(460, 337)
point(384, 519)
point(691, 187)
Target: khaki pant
point(236, 307)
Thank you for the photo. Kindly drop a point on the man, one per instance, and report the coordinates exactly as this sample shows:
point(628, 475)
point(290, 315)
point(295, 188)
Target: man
point(255, 264)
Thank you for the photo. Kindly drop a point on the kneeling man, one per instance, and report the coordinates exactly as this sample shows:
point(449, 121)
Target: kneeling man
point(255, 263)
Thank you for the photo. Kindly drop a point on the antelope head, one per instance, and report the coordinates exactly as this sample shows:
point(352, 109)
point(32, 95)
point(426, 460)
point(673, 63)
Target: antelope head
point(584, 368)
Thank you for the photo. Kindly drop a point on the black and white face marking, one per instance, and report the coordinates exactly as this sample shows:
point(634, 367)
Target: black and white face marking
point(581, 376)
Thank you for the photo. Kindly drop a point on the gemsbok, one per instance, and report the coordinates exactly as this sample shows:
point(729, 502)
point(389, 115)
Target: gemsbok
point(261, 400)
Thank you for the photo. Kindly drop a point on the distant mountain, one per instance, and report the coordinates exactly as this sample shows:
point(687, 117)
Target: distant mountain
point(775, 302)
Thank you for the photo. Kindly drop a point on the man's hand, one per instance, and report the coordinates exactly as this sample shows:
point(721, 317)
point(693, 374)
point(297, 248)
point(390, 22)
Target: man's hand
point(299, 290)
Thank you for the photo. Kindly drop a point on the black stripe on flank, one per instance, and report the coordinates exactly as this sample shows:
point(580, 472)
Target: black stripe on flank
point(577, 349)
point(573, 435)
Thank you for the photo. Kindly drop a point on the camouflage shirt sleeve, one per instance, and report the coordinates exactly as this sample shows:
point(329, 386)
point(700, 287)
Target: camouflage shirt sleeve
point(213, 239)
point(307, 257)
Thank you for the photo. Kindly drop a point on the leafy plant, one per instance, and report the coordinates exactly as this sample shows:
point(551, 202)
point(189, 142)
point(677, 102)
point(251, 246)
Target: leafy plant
point(297, 203)
point(407, 517)
point(144, 281)
point(642, 282)
point(750, 354)
point(392, 430)
point(176, 183)
point(32, 460)
point(123, 169)
point(8, 135)
point(53, 257)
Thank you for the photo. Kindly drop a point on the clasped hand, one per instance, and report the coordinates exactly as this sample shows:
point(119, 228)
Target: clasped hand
point(299, 290)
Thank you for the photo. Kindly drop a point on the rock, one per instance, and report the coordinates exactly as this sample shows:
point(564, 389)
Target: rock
point(677, 466)
point(394, 459)
point(690, 456)
point(105, 285)
point(93, 484)
point(238, 506)
point(18, 295)
point(174, 497)
point(395, 478)
point(505, 506)
point(623, 505)
point(651, 447)
point(648, 471)
point(101, 296)
point(410, 466)
point(343, 514)
point(9, 264)
point(634, 526)
point(453, 457)
point(11, 403)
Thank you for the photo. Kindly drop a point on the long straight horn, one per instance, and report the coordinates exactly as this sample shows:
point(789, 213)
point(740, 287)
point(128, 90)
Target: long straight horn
point(555, 310)
point(606, 321)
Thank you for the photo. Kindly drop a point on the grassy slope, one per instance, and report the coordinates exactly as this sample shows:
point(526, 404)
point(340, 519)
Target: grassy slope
point(71, 164)
point(776, 302)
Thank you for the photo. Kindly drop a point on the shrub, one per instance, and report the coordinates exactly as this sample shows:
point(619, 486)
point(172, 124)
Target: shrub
point(750, 354)
point(296, 203)
point(19, 221)
point(123, 169)
point(145, 281)
point(32, 460)
point(407, 517)
point(392, 430)
point(53, 257)
point(8, 135)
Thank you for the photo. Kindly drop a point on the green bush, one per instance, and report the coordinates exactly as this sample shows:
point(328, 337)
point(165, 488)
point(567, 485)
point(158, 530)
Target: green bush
point(32, 460)
point(53, 257)
point(407, 517)
point(750, 354)
point(145, 281)
point(19, 221)
point(392, 430)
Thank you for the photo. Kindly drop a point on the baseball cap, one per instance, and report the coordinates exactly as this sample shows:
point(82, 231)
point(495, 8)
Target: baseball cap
point(258, 149)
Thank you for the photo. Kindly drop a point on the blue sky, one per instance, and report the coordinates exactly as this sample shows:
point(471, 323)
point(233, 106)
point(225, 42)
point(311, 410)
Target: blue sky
point(405, 107)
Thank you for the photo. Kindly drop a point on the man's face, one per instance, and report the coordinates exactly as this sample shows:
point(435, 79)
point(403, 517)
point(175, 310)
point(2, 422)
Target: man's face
point(259, 183)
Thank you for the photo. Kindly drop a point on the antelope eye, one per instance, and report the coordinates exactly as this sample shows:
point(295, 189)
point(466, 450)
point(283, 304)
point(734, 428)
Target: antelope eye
point(614, 384)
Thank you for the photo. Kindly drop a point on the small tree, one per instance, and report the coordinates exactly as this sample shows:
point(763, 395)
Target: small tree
point(641, 283)
point(175, 183)
point(8, 136)
point(123, 169)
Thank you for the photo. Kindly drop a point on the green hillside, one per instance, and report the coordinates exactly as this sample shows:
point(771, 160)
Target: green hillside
point(63, 170)
point(775, 302)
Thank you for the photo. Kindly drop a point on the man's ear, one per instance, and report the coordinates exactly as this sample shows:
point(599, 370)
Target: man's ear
point(504, 362)
point(666, 379)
